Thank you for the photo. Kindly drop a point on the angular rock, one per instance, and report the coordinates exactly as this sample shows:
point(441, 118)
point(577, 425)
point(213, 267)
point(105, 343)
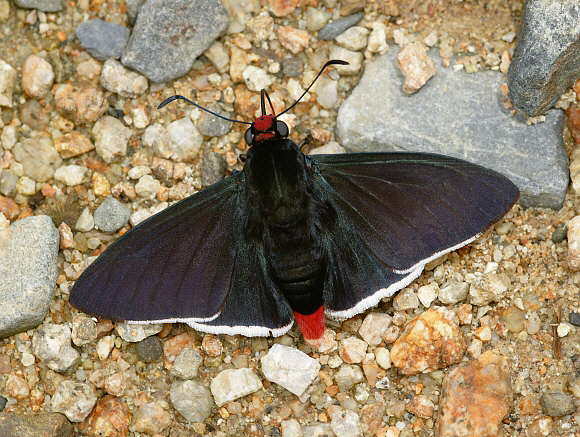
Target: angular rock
point(149, 349)
point(429, 342)
point(186, 364)
point(28, 270)
point(134, 332)
point(52, 344)
point(231, 384)
point(476, 397)
point(345, 423)
point(70, 175)
point(72, 144)
point(151, 419)
point(74, 400)
point(7, 82)
point(491, 287)
point(111, 215)
point(170, 34)
point(336, 27)
point(121, 80)
point(37, 76)
point(347, 376)
point(103, 40)
point(35, 425)
point(456, 114)
point(290, 368)
point(556, 403)
point(39, 158)
point(110, 417)
point(373, 327)
point(547, 55)
point(111, 138)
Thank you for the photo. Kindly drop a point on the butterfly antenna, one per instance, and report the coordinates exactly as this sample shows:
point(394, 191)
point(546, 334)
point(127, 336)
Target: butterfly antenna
point(329, 63)
point(178, 97)
point(264, 94)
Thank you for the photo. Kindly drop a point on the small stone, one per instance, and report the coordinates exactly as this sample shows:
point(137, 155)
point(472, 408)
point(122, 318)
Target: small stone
point(492, 287)
point(281, 8)
point(256, 79)
point(102, 39)
point(74, 400)
point(140, 117)
point(26, 186)
point(41, 5)
point(218, 56)
point(51, 343)
point(290, 368)
point(7, 82)
point(85, 222)
point(100, 185)
point(348, 376)
point(105, 346)
point(84, 330)
point(111, 215)
point(428, 342)
point(231, 384)
point(514, 319)
point(186, 364)
point(345, 423)
point(111, 138)
point(110, 417)
point(85, 103)
point(383, 357)
point(17, 387)
point(416, 66)
point(122, 81)
point(115, 384)
point(191, 399)
point(213, 169)
point(352, 350)
point(72, 144)
point(38, 157)
point(151, 419)
point(556, 403)
point(406, 299)
point(563, 329)
point(147, 187)
point(149, 349)
point(211, 345)
point(354, 38)
point(559, 234)
point(9, 207)
point(70, 175)
point(292, 66)
point(336, 27)
point(211, 126)
point(573, 226)
point(8, 182)
point(173, 347)
point(453, 292)
point(184, 140)
point(327, 92)
point(9, 137)
point(427, 294)
point(377, 42)
point(354, 60)
point(134, 332)
point(476, 395)
point(421, 406)
point(373, 327)
point(293, 39)
point(316, 18)
point(32, 425)
point(291, 428)
point(37, 76)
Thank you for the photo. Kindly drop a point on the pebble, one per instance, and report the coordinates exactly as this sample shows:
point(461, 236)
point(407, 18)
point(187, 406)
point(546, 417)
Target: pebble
point(377, 42)
point(427, 294)
point(476, 395)
point(292, 66)
point(383, 357)
point(213, 168)
point(37, 76)
point(186, 364)
point(574, 318)
point(219, 57)
point(406, 299)
point(327, 93)
point(122, 81)
point(347, 376)
point(140, 117)
point(8, 137)
point(563, 329)
point(85, 222)
point(84, 104)
point(102, 39)
point(191, 399)
point(316, 18)
point(354, 60)
point(318, 429)
point(352, 350)
point(147, 187)
point(32, 425)
point(157, 137)
point(72, 144)
point(573, 226)
point(7, 82)
point(26, 186)
point(70, 175)
point(151, 419)
point(74, 400)
point(416, 66)
point(51, 343)
point(289, 368)
point(139, 216)
point(281, 8)
point(354, 38)
point(17, 387)
point(256, 79)
point(110, 417)
point(211, 126)
point(453, 292)
point(8, 181)
point(38, 157)
point(261, 28)
point(133, 332)
point(84, 330)
point(492, 287)
point(291, 428)
point(293, 39)
point(149, 349)
point(345, 423)
point(111, 138)
point(430, 341)
point(556, 403)
point(164, 44)
point(336, 27)
point(41, 5)
point(28, 271)
point(184, 140)
point(231, 384)
point(9, 207)
point(105, 346)
point(373, 327)
point(421, 406)
point(111, 215)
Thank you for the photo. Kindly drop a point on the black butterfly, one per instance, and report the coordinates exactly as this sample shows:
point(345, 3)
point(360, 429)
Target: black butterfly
point(292, 237)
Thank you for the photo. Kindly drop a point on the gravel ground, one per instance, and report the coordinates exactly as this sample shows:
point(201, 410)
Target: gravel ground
point(513, 291)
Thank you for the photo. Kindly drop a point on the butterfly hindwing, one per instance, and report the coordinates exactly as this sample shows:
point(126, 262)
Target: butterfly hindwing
point(398, 211)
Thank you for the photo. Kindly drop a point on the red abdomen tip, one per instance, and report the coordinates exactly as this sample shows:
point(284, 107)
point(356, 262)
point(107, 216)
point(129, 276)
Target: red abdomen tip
point(312, 325)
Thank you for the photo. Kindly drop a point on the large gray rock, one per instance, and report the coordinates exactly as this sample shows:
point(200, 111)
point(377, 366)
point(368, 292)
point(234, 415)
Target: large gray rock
point(460, 115)
point(546, 61)
point(28, 253)
point(41, 5)
point(170, 34)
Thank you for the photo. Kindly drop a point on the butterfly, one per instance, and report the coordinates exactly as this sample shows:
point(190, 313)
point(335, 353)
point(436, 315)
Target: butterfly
point(292, 238)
